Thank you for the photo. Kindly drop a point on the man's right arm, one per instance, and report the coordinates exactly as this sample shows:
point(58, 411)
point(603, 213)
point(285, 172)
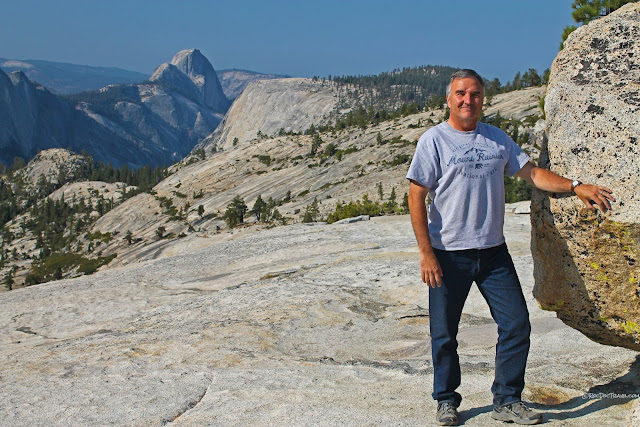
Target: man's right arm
point(430, 270)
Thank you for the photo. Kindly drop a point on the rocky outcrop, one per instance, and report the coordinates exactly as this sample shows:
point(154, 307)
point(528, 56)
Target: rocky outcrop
point(153, 123)
point(55, 164)
point(52, 165)
point(169, 76)
point(267, 106)
point(586, 264)
point(517, 104)
point(200, 71)
point(235, 81)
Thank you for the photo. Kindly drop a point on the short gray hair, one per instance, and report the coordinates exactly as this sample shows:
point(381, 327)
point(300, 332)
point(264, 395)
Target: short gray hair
point(463, 74)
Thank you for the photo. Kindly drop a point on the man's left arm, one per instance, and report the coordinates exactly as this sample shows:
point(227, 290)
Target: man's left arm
point(591, 195)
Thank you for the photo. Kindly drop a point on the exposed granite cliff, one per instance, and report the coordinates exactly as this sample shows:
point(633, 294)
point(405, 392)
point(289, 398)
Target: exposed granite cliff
point(235, 81)
point(200, 71)
point(267, 106)
point(153, 123)
point(190, 203)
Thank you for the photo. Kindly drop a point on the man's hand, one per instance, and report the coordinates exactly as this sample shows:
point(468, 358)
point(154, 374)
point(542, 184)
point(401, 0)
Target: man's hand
point(430, 269)
point(595, 195)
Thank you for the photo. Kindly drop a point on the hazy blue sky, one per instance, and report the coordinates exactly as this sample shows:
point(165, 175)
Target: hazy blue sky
point(299, 38)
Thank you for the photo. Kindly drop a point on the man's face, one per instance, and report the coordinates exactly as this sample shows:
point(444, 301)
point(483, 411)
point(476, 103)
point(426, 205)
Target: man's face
point(465, 103)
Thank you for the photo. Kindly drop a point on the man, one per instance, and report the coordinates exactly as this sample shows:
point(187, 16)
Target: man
point(460, 164)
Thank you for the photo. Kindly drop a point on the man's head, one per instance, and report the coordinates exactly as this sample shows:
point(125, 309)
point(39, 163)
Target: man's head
point(465, 96)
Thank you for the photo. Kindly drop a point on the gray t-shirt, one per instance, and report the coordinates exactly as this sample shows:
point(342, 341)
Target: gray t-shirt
point(464, 173)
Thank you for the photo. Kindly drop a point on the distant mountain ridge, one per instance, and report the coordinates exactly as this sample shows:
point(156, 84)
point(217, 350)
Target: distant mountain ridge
point(153, 123)
point(63, 78)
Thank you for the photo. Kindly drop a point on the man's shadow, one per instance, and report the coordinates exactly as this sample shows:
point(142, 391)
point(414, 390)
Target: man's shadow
point(616, 392)
point(469, 414)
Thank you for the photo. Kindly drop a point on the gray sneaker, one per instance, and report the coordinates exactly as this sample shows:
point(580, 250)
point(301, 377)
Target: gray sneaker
point(447, 414)
point(516, 412)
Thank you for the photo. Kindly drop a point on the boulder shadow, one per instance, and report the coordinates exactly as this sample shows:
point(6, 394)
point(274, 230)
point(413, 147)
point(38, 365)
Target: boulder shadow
point(619, 391)
point(580, 296)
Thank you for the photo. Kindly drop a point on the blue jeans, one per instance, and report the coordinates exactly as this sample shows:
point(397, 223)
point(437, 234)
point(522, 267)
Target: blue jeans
point(494, 273)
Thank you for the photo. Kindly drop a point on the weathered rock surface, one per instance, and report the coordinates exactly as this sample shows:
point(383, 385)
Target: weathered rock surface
point(52, 164)
point(200, 71)
point(270, 167)
point(267, 106)
point(586, 264)
point(294, 325)
point(235, 81)
point(89, 191)
point(516, 104)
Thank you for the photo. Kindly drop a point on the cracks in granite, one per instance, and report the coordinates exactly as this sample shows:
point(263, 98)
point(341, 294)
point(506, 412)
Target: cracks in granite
point(402, 366)
point(413, 316)
point(208, 279)
point(189, 406)
point(27, 330)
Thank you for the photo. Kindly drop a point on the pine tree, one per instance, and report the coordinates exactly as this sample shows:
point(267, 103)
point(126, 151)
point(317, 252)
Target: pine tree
point(312, 211)
point(268, 211)
point(392, 197)
point(531, 78)
point(315, 144)
point(160, 232)
point(405, 202)
point(8, 280)
point(234, 214)
point(258, 207)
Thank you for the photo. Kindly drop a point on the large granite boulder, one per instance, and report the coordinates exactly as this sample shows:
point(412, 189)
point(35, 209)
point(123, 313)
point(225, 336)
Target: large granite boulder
point(586, 263)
